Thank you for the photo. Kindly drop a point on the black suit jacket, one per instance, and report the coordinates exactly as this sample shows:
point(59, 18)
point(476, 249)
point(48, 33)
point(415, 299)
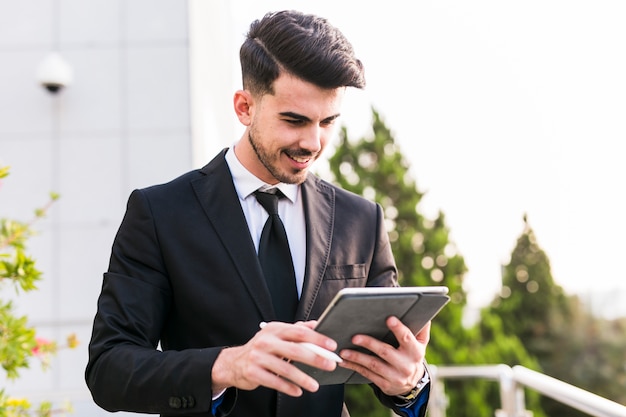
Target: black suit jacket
point(184, 273)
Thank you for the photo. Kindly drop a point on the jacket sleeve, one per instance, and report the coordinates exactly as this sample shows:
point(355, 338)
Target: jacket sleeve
point(126, 370)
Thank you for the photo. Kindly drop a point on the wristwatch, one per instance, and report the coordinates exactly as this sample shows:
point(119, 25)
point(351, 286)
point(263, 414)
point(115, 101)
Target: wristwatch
point(411, 395)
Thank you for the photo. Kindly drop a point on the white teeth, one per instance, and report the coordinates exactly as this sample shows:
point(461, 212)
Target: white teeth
point(301, 160)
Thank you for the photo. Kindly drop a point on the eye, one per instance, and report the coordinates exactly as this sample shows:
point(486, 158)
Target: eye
point(329, 122)
point(294, 121)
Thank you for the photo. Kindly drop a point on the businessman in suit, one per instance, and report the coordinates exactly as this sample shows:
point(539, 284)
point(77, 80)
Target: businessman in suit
point(177, 327)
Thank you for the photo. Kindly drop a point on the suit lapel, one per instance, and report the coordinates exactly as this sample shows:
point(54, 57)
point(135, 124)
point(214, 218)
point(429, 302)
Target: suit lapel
point(319, 211)
point(216, 193)
point(230, 225)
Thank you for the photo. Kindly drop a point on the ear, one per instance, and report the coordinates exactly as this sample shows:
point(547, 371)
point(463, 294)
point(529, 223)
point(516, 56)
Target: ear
point(243, 103)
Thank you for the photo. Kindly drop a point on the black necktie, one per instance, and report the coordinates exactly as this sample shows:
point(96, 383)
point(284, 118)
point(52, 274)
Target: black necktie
point(275, 259)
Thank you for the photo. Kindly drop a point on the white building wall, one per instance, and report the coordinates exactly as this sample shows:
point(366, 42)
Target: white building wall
point(125, 122)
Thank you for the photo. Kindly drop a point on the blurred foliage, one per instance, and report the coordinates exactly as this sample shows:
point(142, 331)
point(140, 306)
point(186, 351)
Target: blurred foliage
point(568, 342)
point(375, 168)
point(18, 341)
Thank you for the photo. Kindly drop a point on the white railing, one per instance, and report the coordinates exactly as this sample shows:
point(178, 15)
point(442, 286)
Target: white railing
point(512, 382)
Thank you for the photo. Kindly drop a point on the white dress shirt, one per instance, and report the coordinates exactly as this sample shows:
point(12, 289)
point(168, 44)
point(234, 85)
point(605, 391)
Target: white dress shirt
point(290, 210)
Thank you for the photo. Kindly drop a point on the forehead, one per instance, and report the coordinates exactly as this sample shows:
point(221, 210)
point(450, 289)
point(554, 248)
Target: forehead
point(296, 95)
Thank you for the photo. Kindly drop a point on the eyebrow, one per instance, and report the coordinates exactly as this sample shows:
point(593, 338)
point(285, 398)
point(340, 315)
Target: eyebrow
point(303, 118)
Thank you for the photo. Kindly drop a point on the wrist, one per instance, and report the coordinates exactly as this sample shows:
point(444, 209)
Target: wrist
point(220, 373)
point(419, 387)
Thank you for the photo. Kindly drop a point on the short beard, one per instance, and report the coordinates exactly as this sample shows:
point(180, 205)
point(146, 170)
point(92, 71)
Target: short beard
point(297, 177)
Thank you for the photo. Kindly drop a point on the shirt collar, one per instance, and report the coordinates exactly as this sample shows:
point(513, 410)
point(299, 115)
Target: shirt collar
point(246, 183)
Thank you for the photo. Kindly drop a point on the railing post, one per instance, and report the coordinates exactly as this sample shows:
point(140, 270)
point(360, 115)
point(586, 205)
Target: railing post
point(507, 395)
point(438, 402)
point(438, 399)
point(511, 395)
point(512, 402)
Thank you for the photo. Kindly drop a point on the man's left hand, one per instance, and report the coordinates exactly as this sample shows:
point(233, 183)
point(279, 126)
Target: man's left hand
point(395, 371)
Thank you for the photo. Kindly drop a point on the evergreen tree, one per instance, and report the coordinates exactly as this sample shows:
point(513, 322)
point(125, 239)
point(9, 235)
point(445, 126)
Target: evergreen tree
point(531, 306)
point(375, 168)
point(567, 341)
point(530, 303)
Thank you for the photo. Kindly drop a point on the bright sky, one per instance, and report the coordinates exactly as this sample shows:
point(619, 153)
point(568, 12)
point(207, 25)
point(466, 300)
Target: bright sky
point(503, 108)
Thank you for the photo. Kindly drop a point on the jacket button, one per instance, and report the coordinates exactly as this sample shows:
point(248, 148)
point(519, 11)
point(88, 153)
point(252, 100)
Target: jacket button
point(175, 402)
point(191, 402)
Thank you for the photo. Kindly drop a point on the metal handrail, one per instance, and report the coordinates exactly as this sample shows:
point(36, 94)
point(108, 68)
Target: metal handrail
point(565, 393)
point(512, 381)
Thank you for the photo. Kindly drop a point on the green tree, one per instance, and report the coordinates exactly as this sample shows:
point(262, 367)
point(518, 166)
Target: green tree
point(566, 340)
point(18, 341)
point(375, 168)
point(530, 303)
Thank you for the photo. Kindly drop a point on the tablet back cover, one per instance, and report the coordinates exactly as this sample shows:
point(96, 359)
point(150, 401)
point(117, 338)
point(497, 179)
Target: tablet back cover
point(366, 314)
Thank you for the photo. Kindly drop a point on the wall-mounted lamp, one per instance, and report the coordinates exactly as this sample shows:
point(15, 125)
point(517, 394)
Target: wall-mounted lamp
point(54, 73)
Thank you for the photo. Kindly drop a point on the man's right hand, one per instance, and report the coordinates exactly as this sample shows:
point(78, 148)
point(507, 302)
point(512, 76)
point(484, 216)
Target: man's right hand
point(266, 360)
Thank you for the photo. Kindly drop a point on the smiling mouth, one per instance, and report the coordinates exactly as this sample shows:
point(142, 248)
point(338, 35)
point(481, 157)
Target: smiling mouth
point(301, 159)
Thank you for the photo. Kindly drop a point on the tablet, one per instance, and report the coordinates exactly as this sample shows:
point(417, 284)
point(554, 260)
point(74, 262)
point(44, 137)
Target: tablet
point(364, 310)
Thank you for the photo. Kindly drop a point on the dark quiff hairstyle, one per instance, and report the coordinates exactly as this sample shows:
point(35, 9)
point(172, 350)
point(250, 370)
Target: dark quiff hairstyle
point(302, 45)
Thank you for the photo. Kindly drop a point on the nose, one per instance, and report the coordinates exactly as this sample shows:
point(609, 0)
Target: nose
point(312, 139)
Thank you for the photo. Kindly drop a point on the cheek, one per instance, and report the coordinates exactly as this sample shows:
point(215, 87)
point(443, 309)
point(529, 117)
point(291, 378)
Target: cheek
point(328, 135)
point(282, 135)
point(323, 141)
point(273, 136)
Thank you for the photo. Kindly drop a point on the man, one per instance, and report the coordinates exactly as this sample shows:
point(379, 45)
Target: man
point(184, 271)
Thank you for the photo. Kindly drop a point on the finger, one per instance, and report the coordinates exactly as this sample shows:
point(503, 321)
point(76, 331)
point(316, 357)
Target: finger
point(406, 339)
point(368, 366)
point(287, 378)
point(313, 355)
point(378, 359)
point(384, 350)
point(309, 324)
point(391, 378)
point(299, 332)
point(280, 384)
point(275, 342)
point(392, 369)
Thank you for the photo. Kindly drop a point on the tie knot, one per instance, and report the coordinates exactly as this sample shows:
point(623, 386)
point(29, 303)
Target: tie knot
point(269, 201)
